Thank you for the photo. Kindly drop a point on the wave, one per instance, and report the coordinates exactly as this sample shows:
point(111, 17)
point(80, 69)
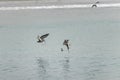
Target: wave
point(59, 6)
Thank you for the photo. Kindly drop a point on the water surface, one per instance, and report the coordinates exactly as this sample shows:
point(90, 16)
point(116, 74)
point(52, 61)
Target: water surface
point(94, 36)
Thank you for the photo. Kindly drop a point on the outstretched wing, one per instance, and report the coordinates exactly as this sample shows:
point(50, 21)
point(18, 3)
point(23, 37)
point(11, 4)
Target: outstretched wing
point(44, 36)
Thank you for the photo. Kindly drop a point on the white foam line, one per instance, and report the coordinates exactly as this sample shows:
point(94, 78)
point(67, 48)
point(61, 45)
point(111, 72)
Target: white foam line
point(58, 6)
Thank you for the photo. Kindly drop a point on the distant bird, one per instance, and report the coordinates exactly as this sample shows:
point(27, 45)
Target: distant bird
point(66, 43)
point(95, 4)
point(42, 38)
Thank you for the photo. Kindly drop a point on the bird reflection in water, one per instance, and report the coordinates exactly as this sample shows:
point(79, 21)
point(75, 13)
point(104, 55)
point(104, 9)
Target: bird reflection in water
point(42, 68)
point(66, 68)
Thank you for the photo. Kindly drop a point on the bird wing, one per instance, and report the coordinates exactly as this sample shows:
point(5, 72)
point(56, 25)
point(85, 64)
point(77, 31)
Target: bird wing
point(44, 36)
point(64, 43)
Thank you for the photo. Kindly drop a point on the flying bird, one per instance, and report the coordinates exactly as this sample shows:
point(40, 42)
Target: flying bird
point(66, 43)
point(42, 38)
point(95, 4)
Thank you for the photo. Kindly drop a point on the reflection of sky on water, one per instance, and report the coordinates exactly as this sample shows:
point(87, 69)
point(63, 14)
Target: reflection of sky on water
point(94, 70)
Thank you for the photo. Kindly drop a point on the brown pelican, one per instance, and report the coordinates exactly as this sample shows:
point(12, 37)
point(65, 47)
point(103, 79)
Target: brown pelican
point(66, 43)
point(42, 38)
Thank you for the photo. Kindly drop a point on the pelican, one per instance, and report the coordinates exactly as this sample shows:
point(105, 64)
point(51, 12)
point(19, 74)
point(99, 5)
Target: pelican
point(42, 38)
point(66, 43)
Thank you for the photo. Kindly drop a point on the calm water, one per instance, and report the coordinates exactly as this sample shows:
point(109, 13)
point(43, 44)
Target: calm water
point(94, 36)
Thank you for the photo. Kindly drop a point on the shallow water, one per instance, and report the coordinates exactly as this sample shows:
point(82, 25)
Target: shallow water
point(94, 44)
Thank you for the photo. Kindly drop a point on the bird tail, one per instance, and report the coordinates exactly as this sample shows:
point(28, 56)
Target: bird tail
point(67, 46)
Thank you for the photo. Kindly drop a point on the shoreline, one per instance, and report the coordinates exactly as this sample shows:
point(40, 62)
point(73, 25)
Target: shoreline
point(58, 7)
point(23, 5)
